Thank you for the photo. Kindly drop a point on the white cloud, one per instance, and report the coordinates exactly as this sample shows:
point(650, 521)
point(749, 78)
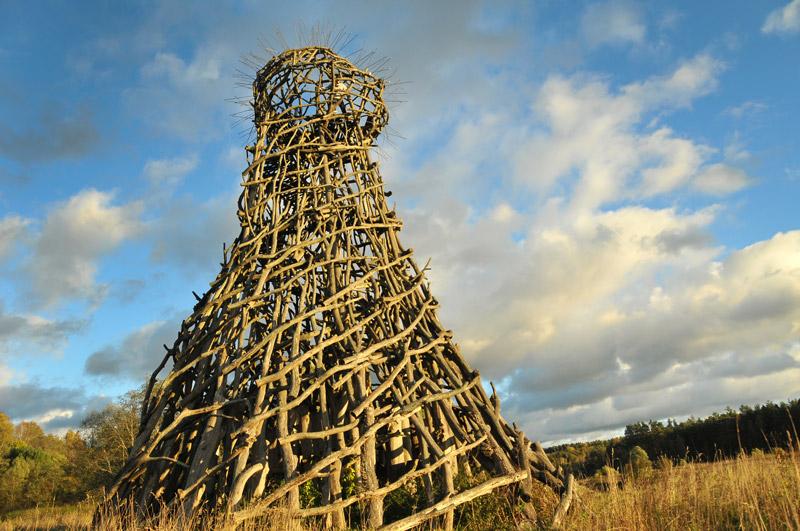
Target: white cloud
point(598, 136)
point(783, 20)
point(613, 22)
point(185, 98)
point(169, 172)
point(735, 150)
point(679, 159)
point(514, 297)
point(720, 179)
point(695, 77)
point(178, 72)
point(74, 236)
point(747, 108)
point(503, 213)
point(545, 256)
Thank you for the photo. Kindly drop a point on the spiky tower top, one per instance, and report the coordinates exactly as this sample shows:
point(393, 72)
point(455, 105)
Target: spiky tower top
point(316, 360)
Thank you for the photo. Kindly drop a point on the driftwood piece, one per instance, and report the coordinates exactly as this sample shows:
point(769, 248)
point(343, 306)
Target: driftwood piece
point(316, 361)
point(564, 504)
point(448, 503)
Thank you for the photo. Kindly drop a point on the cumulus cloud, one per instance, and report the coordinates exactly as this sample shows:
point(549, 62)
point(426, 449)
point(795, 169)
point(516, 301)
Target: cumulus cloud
point(613, 22)
point(75, 234)
point(626, 307)
point(784, 20)
point(557, 275)
point(728, 321)
point(137, 355)
point(747, 304)
point(514, 297)
point(598, 135)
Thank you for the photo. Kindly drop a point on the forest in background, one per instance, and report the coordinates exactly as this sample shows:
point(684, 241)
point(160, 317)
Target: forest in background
point(39, 469)
point(42, 469)
point(763, 428)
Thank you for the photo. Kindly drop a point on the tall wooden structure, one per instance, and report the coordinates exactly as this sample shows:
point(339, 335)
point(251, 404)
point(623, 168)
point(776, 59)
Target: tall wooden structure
point(316, 362)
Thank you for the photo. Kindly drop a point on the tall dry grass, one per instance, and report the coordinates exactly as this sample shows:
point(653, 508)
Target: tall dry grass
point(751, 492)
point(79, 518)
point(759, 492)
point(60, 517)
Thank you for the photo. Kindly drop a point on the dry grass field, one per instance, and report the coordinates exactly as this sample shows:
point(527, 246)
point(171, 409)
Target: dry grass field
point(752, 492)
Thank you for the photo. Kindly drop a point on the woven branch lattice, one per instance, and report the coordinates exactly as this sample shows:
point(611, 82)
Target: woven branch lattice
point(317, 351)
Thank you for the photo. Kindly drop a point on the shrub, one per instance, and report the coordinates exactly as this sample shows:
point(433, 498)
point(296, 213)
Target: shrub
point(639, 462)
point(607, 478)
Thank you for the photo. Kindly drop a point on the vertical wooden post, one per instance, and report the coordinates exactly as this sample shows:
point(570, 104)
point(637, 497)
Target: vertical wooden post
point(289, 459)
point(369, 458)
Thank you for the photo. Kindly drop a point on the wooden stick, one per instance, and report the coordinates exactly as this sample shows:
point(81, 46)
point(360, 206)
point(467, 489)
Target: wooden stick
point(563, 505)
point(448, 503)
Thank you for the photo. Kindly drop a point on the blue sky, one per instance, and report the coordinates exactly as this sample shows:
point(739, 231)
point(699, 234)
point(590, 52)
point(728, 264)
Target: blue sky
point(606, 191)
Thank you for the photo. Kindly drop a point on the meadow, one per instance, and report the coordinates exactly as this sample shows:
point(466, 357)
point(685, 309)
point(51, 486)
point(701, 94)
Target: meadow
point(758, 491)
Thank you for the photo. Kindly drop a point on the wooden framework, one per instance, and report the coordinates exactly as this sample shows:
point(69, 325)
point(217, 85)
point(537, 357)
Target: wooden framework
point(317, 351)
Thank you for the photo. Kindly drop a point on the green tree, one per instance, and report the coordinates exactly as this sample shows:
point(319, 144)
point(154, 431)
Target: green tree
point(30, 433)
point(33, 435)
point(637, 428)
point(38, 468)
point(77, 482)
point(29, 476)
point(6, 432)
point(109, 434)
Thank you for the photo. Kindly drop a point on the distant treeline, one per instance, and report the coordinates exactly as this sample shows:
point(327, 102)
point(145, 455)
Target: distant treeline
point(39, 469)
point(720, 435)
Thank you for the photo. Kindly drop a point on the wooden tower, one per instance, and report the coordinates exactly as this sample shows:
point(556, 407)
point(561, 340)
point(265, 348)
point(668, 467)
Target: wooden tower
point(316, 362)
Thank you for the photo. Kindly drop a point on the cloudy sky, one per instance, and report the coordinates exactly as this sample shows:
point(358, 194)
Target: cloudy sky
point(607, 191)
